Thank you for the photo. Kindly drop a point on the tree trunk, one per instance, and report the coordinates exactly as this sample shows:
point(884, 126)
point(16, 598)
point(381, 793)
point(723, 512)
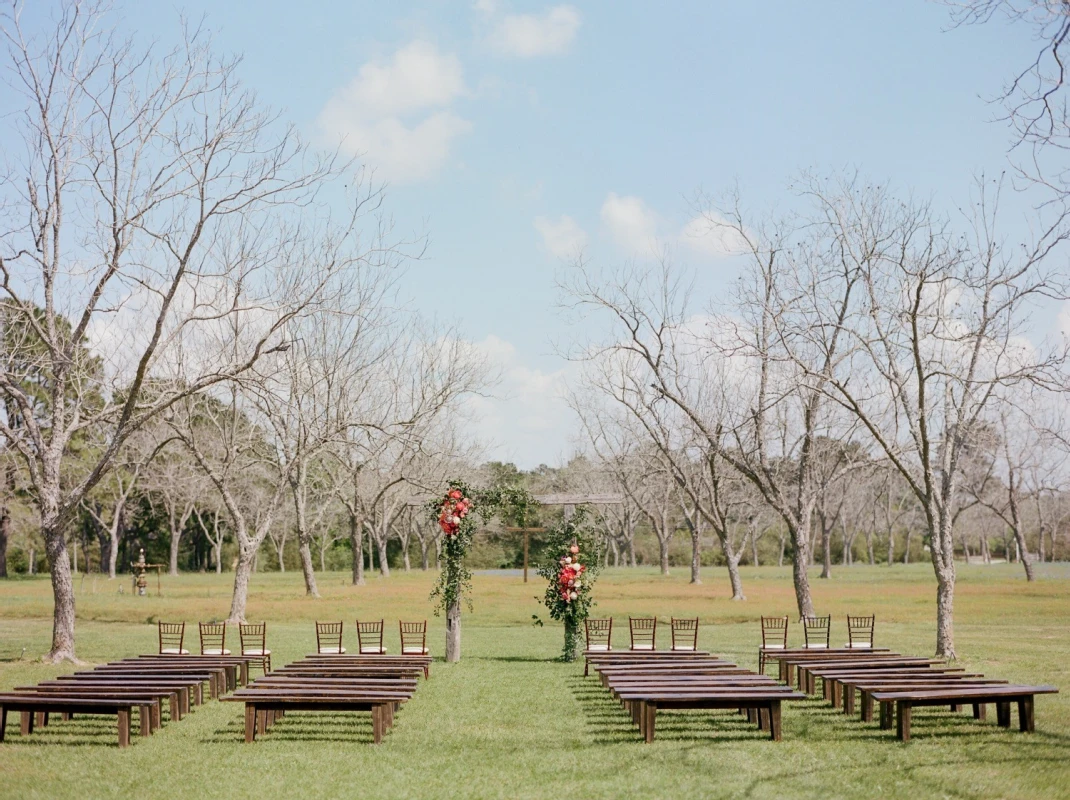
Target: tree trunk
point(891, 547)
point(696, 553)
point(5, 533)
point(453, 631)
point(800, 537)
point(826, 548)
point(754, 548)
point(906, 547)
point(663, 555)
point(733, 575)
point(306, 568)
point(176, 540)
point(783, 544)
point(356, 542)
point(384, 561)
point(113, 539)
point(244, 568)
point(945, 615)
point(869, 548)
point(424, 562)
point(405, 554)
point(280, 552)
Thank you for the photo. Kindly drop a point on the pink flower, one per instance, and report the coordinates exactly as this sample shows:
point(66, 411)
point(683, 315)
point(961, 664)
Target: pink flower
point(574, 549)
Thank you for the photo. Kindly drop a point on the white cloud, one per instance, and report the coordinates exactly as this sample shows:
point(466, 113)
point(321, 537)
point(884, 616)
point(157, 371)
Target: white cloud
point(528, 420)
point(711, 236)
point(631, 223)
point(485, 6)
point(528, 35)
point(398, 113)
point(563, 238)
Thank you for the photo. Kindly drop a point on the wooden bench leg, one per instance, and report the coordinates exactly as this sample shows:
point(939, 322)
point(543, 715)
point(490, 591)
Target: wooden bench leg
point(955, 708)
point(752, 715)
point(261, 720)
point(145, 716)
point(774, 720)
point(650, 714)
point(886, 715)
point(124, 727)
point(3, 721)
point(66, 716)
point(1003, 714)
point(902, 716)
point(979, 710)
point(867, 707)
point(250, 722)
point(848, 699)
point(26, 723)
point(377, 723)
point(1025, 714)
point(763, 719)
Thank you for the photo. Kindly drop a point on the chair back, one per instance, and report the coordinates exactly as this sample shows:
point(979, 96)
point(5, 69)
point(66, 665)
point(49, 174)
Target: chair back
point(413, 638)
point(816, 630)
point(370, 637)
point(775, 632)
point(684, 633)
point(213, 638)
point(599, 633)
point(643, 632)
point(253, 637)
point(172, 635)
point(860, 631)
point(329, 637)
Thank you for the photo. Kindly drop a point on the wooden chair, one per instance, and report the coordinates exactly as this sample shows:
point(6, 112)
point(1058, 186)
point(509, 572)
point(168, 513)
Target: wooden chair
point(213, 638)
point(254, 643)
point(413, 638)
point(816, 630)
point(860, 632)
point(599, 634)
point(172, 635)
point(329, 638)
point(774, 637)
point(684, 633)
point(643, 632)
point(370, 638)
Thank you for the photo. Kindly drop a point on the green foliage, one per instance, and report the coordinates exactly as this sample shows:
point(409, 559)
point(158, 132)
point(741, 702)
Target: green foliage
point(510, 502)
point(569, 596)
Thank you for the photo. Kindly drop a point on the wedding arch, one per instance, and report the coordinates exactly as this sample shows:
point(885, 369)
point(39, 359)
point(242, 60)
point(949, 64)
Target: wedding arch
point(456, 512)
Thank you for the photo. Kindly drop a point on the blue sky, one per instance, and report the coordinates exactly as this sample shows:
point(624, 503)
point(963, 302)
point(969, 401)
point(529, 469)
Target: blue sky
point(515, 132)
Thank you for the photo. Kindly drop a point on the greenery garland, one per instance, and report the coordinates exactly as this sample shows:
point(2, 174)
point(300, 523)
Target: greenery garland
point(574, 558)
point(456, 513)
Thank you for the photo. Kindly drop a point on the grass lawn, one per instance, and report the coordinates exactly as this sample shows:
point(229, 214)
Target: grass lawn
point(511, 722)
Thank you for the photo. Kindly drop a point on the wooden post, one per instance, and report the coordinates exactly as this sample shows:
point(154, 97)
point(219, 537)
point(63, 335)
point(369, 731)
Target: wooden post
point(453, 631)
point(527, 539)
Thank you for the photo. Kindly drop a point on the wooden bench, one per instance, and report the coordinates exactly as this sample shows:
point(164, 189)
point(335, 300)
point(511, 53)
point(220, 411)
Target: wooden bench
point(261, 705)
point(214, 677)
point(644, 704)
point(92, 692)
point(1002, 695)
point(808, 672)
point(787, 659)
point(31, 704)
point(189, 692)
point(237, 666)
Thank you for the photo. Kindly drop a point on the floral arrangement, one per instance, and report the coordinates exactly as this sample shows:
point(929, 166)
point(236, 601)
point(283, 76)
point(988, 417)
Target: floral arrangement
point(456, 512)
point(573, 563)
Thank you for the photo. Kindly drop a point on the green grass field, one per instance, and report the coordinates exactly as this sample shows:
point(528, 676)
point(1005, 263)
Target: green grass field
point(509, 721)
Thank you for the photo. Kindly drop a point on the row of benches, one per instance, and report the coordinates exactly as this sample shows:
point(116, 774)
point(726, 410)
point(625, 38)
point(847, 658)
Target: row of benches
point(645, 683)
point(900, 683)
point(375, 683)
point(121, 687)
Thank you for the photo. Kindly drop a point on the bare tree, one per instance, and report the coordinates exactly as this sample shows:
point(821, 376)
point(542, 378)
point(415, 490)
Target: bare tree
point(153, 201)
point(930, 330)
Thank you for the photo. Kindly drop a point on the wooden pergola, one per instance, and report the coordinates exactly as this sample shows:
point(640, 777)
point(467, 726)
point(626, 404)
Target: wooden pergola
point(569, 501)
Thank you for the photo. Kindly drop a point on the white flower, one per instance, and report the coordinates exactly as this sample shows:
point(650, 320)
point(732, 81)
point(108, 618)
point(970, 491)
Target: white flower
point(568, 560)
point(572, 596)
point(577, 584)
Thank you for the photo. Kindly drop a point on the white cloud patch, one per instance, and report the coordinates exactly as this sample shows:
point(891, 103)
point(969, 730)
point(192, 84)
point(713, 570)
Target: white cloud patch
point(631, 224)
point(398, 113)
point(528, 421)
point(530, 35)
point(713, 236)
point(563, 238)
